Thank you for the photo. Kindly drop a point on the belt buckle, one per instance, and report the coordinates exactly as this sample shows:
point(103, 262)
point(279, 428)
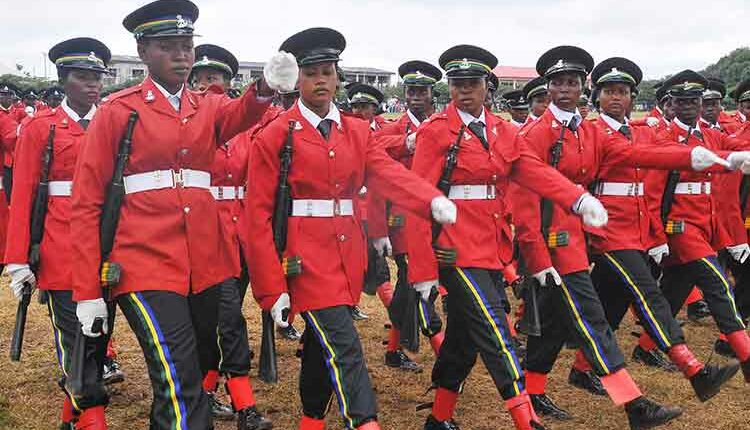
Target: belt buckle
point(337, 207)
point(705, 187)
point(467, 192)
point(179, 178)
point(631, 189)
point(491, 192)
point(220, 192)
point(309, 207)
point(690, 187)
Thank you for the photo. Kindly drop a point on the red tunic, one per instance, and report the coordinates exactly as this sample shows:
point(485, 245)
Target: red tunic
point(167, 239)
point(332, 249)
point(482, 235)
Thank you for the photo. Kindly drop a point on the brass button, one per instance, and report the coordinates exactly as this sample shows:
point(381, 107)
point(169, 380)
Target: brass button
point(229, 176)
point(342, 238)
point(186, 209)
point(331, 154)
point(184, 151)
point(184, 120)
point(234, 218)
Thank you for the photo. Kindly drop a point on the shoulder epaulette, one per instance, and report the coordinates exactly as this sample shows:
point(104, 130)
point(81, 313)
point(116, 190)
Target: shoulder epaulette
point(122, 93)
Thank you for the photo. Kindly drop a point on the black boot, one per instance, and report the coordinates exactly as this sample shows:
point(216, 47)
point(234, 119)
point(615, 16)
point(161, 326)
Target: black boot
point(652, 359)
point(433, 424)
point(723, 348)
point(219, 410)
point(112, 373)
point(698, 310)
point(251, 419)
point(398, 359)
point(745, 365)
point(67, 426)
point(586, 381)
point(645, 414)
point(289, 333)
point(543, 405)
point(358, 314)
point(709, 380)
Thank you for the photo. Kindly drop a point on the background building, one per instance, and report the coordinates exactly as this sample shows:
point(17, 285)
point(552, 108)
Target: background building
point(514, 77)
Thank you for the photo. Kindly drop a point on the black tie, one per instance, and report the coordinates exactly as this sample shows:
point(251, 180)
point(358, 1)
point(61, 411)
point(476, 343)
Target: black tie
point(572, 124)
point(324, 127)
point(477, 127)
point(625, 130)
point(84, 123)
point(698, 134)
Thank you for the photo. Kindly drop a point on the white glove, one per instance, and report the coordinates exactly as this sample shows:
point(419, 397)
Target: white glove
point(424, 288)
point(541, 277)
point(591, 210)
point(702, 158)
point(737, 159)
point(652, 121)
point(20, 274)
point(658, 253)
point(443, 210)
point(383, 246)
point(739, 252)
point(745, 167)
point(411, 142)
point(277, 310)
point(281, 72)
point(88, 311)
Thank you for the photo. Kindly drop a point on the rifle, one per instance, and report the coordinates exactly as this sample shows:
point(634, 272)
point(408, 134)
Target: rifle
point(446, 256)
point(83, 382)
point(267, 368)
point(38, 215)
point(667, 199)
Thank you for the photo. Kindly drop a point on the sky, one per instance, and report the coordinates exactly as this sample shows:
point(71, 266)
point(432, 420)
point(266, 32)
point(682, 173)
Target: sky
point(662, 36)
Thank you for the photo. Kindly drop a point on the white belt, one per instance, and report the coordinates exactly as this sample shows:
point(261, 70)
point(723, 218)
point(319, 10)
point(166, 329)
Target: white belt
point(159, 179)
point(322, 208)
point(1, 182)
point(693, 188)
point(472, 192)
point(620, 189)
point(61, 188)
point(228, 193)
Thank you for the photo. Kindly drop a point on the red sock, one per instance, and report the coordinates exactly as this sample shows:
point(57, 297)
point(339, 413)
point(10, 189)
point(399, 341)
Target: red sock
point(67, 415)
point(521, 411)
point(394, 337)
point(210, 381)
point(580, 363)
point(308, 423)
point(621, 387)
point(436, 342)
point(442, 291)
point(444, 405)
point(740, 343)
point(683, 357)
point(291, 318)
point(695, 296)
point(723, 337)
point(92, 419)
point(241, 392)
point(536, 383)
point(370, 425)
point(646, 343)
point(511, 326)
point(385, 293)
point(111, 353)
point(509, 274)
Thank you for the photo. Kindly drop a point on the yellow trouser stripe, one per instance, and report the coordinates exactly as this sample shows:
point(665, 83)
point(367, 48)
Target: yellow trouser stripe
point(647, 310)
point(60, 344)
point(727, 289)
point(582, 326)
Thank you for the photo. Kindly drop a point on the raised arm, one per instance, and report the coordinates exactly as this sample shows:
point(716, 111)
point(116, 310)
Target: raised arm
point(236, 115)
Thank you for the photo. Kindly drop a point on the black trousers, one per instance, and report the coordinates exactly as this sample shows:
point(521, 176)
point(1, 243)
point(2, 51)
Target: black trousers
point(7, 181)
point(407, 309)
point(708, 275)
point(741, 274)
point(624, 277)
point(161, 320)
point(62, 314)
point(476, 325)
point(244, 280)
point(220, 329)
point(333, 364)
point(573, 311)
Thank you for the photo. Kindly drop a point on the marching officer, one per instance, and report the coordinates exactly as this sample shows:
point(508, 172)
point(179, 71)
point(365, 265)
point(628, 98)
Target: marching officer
point(467, 258)
point(661, 114)
point(535, 91)
point(553, 243)
point(223, 347)
point(741, 95)
point(8, 93)
point(53, 96)
point(81, 63)
point(331, 154)
point(518, 107)
point(712, 112)
point(168, 242)
point(365, 101)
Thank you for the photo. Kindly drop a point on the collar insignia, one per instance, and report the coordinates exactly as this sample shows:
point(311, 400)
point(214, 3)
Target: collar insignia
point(150, 96)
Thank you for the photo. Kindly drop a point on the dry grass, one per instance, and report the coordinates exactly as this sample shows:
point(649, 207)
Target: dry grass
point(29, 397)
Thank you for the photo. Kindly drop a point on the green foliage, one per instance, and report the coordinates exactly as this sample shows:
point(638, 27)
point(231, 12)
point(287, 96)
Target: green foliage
point(27, 82)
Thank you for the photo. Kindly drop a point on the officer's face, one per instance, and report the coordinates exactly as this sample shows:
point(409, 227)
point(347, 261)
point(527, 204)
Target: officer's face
point(615, 100)
point(744, 107)
point(29, 101)
point(711, 109)
point(519, 115)
point(6, 99)
point(204, 77)
point(668, 110)
point(83, 87)
point(468, 94)
point(565, 90)
point(539, 104)
point(317, 84)
point(53, 101)
point(365, 110)
point(169, 59)
point(418, 99)
point(687, 109)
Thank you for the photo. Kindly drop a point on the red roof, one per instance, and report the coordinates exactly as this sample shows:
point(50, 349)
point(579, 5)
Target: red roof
point(511, 72)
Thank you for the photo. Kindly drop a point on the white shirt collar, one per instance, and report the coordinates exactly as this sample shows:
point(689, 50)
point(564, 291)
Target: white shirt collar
point(742, 116)
point(171, 98)
point(314, 119)
point(658, 109)
point(613, 123)
point(684, 126)
point(73, 115)
point(468, 118)
point(413, 118)
point(565, 117)
point(516, 123)
point(532, 117)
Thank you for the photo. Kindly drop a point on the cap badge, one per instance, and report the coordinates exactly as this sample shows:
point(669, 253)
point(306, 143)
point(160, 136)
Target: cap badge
point(419, 74)
point(181, 22)
point(464, 64)
point(150, 96)
point(204, 60)
point(614, 70)
point(92, 57)
point(559, 63)
point(5, 88)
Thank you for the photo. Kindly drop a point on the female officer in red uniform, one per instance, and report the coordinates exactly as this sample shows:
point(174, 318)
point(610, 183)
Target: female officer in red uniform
point(168, 241)
point(80, 64)
point(487, 159)
point(332, 156)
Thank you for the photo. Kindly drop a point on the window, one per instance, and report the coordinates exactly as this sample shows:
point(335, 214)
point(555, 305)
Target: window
point(112, 72)
point(138, 73)
point(239, 77)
